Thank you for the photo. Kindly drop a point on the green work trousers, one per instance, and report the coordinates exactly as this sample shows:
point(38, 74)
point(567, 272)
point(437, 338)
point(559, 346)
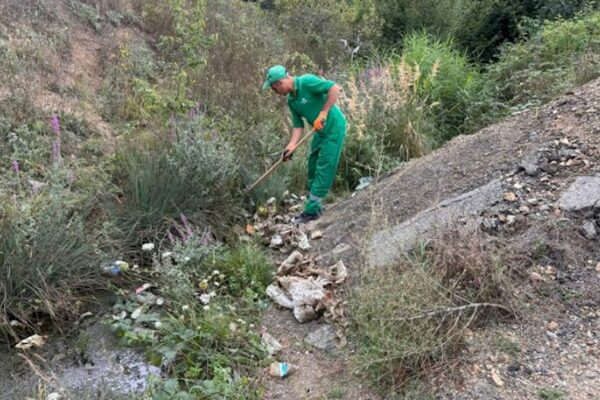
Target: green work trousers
point(325, 151)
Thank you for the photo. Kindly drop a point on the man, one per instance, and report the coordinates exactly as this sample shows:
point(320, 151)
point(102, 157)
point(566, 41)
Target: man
point(314, 99)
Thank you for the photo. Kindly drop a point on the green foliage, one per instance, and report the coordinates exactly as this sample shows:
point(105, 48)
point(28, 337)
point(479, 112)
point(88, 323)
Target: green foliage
point(88, 13)
point(559, 56)
point(47, 257)
point(246, 270)
point(186, 39)
point(196, 175)
point(204, 335)
point(327, 31)
point(550, 394)
point(480, 27)
point(447, 81)
point(244, 42)
point(404, 106)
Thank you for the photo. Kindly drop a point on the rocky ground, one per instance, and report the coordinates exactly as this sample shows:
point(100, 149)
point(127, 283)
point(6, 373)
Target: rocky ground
point(536, 168)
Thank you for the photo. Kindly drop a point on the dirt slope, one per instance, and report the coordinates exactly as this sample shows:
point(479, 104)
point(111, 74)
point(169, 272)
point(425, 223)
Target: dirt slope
point(464, 164)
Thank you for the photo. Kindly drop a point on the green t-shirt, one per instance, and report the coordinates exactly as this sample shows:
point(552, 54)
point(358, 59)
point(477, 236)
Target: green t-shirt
point(311, 95)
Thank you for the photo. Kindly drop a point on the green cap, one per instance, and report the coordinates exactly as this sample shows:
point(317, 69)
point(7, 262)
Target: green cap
point(274, 74)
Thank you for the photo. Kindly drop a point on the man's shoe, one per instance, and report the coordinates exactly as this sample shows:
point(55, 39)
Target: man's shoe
point(305, 218)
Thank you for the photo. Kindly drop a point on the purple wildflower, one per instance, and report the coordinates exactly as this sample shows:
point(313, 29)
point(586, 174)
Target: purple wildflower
point(15, 166)
point(55, 122)
point(186, 225)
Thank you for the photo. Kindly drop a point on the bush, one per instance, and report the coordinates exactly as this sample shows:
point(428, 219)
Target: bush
point(196, 175)
point(479, 27)
point(402, 107)
point(410, 318)
point(561, 55)
point(329, 31)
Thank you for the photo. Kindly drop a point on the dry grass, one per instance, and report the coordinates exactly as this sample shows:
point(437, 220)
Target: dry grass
point(411, 317)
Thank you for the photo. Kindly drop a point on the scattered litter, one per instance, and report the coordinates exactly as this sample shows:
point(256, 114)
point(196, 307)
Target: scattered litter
point(271, 344)
point(314, 235)
point(302, 286)
point(279, 296)
point(339, 271)
point(136, 313)
point(363, 183)
point(496, 378)
point(280, 369)
point(291, 262)
point(276, 241)
point(148, 246)
point(115, 268)
point(32, 341)
point(86, 315)
point(207, 297)
point(143, 287)
point(510, 196)
point(303, 242)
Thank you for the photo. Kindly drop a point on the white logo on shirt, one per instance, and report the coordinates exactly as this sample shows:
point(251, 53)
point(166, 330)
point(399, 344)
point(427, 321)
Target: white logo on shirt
point(303, 101)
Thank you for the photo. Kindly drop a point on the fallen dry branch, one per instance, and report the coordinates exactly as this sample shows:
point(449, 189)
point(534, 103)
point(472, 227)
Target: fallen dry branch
point(451, 310)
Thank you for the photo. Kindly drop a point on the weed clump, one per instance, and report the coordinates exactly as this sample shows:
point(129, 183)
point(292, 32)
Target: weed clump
point(411, 318)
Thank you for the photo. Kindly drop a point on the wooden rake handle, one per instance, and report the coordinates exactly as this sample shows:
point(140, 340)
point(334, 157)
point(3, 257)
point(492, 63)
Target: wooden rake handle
point(278, 163)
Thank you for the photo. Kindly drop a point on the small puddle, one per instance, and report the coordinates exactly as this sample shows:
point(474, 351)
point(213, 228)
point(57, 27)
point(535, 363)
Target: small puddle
point(106, 369)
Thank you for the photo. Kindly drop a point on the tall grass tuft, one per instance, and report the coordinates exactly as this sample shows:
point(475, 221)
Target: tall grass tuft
point(47, 258)
point(196, 175)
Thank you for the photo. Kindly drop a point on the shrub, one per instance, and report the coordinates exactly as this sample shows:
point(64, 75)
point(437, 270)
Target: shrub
point(447, 81)
point(196, 175)
point(329, 31)
point(387, 120)
point(560, 55)
point(410, 318)
point(402, 107)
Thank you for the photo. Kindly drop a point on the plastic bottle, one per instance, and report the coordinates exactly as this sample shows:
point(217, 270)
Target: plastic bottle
point(115, 268)
point(280, 369)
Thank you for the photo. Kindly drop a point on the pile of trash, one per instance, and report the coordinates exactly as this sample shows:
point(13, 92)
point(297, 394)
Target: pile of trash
point(277, 229)
point(306, 290)
point(300, 284)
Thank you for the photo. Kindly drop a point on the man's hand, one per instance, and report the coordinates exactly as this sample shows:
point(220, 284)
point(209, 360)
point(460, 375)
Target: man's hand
point(288, 153)
point(318, 124)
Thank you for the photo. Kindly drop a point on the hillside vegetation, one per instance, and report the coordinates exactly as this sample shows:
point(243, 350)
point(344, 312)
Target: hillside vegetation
point(132, 122)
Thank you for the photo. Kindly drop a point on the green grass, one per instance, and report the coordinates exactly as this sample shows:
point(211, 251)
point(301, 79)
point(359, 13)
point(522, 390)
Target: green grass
point(550, 394)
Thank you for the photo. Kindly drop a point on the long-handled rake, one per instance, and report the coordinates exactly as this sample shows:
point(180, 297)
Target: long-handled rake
point(277, 164)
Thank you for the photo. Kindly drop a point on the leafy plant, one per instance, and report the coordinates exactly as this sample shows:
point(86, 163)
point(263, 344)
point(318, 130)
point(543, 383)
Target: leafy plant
point(202, 332)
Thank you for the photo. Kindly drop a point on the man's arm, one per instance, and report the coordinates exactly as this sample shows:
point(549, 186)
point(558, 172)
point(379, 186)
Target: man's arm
point(332, 95)
point(296, 134)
